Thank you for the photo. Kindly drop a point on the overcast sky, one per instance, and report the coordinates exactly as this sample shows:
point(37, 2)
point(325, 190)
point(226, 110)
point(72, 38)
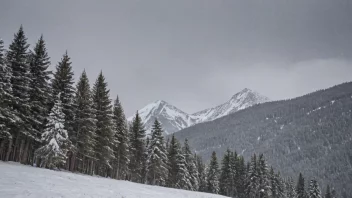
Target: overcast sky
point(193, 54)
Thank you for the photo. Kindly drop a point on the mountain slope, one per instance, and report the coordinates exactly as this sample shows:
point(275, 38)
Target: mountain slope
point(239, 101)
point(25, 181)
point(174, 119)
point(312, 134)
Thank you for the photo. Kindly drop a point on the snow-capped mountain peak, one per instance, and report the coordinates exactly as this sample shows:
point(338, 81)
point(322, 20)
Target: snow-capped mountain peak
point(174, 119)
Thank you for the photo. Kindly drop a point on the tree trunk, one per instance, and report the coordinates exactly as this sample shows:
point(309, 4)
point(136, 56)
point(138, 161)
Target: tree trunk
point(73, 162)
point(9, 149)
point(25, 152)
point(2, 149)
point(15, 152)
point(20, 156)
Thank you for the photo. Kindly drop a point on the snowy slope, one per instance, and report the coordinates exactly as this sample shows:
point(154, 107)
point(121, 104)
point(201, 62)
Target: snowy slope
point(25, 181)
point(174, 119)
point(239, 101)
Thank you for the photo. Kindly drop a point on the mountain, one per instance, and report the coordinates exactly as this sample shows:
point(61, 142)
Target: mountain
point(174, 119)
point(311, 134)
point(239, 101)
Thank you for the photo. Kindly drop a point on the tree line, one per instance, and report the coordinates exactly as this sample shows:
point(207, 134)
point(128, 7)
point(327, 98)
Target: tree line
point(47, 121)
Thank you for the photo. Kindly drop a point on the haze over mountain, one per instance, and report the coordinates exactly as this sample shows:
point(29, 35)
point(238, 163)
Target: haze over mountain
point(311, 134)
point(174, 119)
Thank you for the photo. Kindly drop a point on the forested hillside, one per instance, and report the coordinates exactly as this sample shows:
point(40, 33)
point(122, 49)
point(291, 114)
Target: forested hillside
point(310, 134)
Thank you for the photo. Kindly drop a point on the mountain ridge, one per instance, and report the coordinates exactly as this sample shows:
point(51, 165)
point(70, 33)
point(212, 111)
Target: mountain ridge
point(173, 119)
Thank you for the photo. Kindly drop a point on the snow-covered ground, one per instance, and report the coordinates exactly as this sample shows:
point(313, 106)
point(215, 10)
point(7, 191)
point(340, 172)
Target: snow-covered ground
point(25, 181)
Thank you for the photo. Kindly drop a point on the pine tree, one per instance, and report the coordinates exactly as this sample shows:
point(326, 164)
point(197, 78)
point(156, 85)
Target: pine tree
point(191, 166)
point(7, 115)
point(84, 125)
point(137, 149)
point(202, 178)
point(157, 158)
point(290, 189)
point(104, 126)
point(300, 189)
point(182, 176)
point(240, 177)
point(252, 187)
point(39, 87)
point(264, 183)
point(328, 193)
point(17, 59)
point(212, 176)
point(121, 141)
point(55, 139)
point(226, 180)
point(314, 190)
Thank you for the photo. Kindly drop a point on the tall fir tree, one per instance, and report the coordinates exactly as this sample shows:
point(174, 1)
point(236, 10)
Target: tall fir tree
point(213, 175)
point(314, 190)
point(55, 138)
point(182, 176)
point(40, 95)
point(104, 127)
point(252, 186)
point(264, 180)
point(18, 59)
point(85, 126)
point(226, 180)
point(137, 149)
point(191, 166)
point(240, 177)
point(157, 157)
point(290, 189)
point(121, 138)
point(7, 115)
point(300, 189)
point(62, 83)
point(202, 178)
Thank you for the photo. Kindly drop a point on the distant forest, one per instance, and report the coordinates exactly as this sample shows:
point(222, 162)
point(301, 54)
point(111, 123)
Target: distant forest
point(50, 122)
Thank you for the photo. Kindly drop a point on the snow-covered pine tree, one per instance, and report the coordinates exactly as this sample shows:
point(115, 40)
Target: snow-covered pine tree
point(121, 141)
point(314, 190)
point(252, 186)
point(281, 185)
point(137, 149)
point(264, 182)
point(191, 166)
point(300, 189)
point(104, 127)
point(84, 125)
point(40, 95)
point(226, 180)
point(182, 176)
point(55, 139)
point(290, 189)
point(212, 175)
point(157, 158)
point(17, 59)
point(7, 115)
point(202, 174)
point(240, 178)
point(328, 192)
point(63, 83)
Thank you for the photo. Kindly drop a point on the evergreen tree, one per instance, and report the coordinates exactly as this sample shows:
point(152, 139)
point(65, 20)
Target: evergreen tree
point(157, 158)
point(300, 189)
point(39, 86)
point(63, 83)
point(290, 189)
point(104, 127)
point(17, 59)
point(240, 177)
point(121, 141)
point(191, 166)
point(7, 115)
point(202, 178)
point(314, 190)
point(252, 187)
point(182, 176)
point(226, 180)
point(328, 193)
point(84, 125)
point(212, 176)
point(264, 183)
point(55, 139)
point(137, 149)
